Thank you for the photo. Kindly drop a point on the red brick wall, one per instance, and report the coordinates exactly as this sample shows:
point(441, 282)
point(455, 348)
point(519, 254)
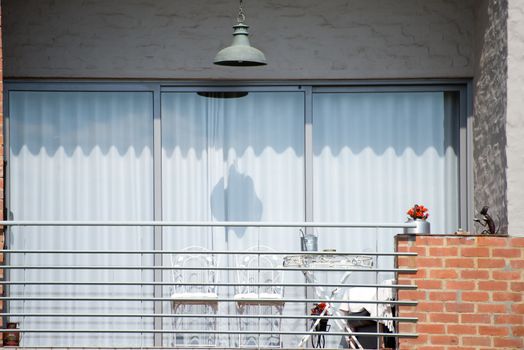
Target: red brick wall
point(1, 123)
point(470, 292)
point(1, 139)
point(1, 157)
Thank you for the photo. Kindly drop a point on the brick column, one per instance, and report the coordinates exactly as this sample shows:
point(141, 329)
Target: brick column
point(2, 207)
point(470, 292)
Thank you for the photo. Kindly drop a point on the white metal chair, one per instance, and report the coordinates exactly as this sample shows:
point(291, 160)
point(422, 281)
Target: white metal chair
point(260, 293)
point(194, 275)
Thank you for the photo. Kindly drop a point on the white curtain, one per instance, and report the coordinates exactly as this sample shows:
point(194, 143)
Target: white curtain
point(81, 156)
point(233, 159)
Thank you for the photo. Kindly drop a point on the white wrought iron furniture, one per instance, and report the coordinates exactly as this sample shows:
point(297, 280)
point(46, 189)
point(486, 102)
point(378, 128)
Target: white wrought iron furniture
point(308, 261)
point(194, 274)
point(259, 292)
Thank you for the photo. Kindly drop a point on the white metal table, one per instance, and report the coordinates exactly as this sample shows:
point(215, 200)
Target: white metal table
point(308, 261)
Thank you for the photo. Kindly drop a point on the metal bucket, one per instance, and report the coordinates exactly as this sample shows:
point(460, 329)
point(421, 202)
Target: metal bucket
point(309, 243)
point(423, 227)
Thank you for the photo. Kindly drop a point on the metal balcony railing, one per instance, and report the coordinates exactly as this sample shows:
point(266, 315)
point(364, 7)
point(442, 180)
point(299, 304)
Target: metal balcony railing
point(192, 297)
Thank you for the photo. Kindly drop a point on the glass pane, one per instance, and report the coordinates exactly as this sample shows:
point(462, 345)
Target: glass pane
point(81, 156)
point(377, 154)
point(232, 157)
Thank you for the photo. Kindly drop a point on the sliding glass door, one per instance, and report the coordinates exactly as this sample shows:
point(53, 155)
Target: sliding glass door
point(255, 153)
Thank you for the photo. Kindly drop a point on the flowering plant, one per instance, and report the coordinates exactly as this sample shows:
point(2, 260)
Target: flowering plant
point(319, 309)
point(320, 324)
point(418, 212)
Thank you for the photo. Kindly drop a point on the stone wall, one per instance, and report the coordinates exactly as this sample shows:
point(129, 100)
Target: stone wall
point(470, 292)
point(489, 123)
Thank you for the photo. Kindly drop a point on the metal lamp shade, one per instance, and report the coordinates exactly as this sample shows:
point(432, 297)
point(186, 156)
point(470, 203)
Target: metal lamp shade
point(240, 53)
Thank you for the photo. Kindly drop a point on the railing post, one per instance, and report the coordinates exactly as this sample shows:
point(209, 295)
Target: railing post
point(157, 240)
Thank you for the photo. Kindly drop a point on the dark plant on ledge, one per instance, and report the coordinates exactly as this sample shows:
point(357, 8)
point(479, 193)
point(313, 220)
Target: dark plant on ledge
point(487, 222)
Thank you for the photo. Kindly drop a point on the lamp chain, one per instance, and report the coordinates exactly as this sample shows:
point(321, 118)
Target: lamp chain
point(241, 16)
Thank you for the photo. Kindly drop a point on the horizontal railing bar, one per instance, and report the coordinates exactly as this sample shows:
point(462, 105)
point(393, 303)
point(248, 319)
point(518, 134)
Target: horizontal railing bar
point(205, 224)
point(135, 347)
point(26, 314)
point(391, 286)
point(131, 347)
point(242, 301)
point(188, 252)
point(198, 331)
point(56, 267)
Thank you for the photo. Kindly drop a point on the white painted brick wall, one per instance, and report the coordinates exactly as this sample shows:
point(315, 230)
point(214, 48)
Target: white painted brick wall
point(515, 117)
point(177, 39)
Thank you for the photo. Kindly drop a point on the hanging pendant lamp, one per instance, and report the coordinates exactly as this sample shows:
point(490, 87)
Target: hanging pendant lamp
point(240, 53)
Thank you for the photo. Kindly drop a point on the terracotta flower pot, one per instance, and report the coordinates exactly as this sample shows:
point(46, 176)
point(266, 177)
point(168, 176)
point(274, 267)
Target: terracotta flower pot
point(12, 338)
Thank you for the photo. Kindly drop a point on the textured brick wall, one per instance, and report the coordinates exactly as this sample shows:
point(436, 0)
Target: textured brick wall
point(515, 116)
point(470, 292)
point(306, 39)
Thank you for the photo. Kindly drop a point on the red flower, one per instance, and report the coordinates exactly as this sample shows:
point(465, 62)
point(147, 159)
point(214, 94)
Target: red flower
point(418, 212)
point(319, 309)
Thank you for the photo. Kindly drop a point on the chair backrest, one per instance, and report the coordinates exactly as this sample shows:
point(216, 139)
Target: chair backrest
point(196, 266)
point(261, 258)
